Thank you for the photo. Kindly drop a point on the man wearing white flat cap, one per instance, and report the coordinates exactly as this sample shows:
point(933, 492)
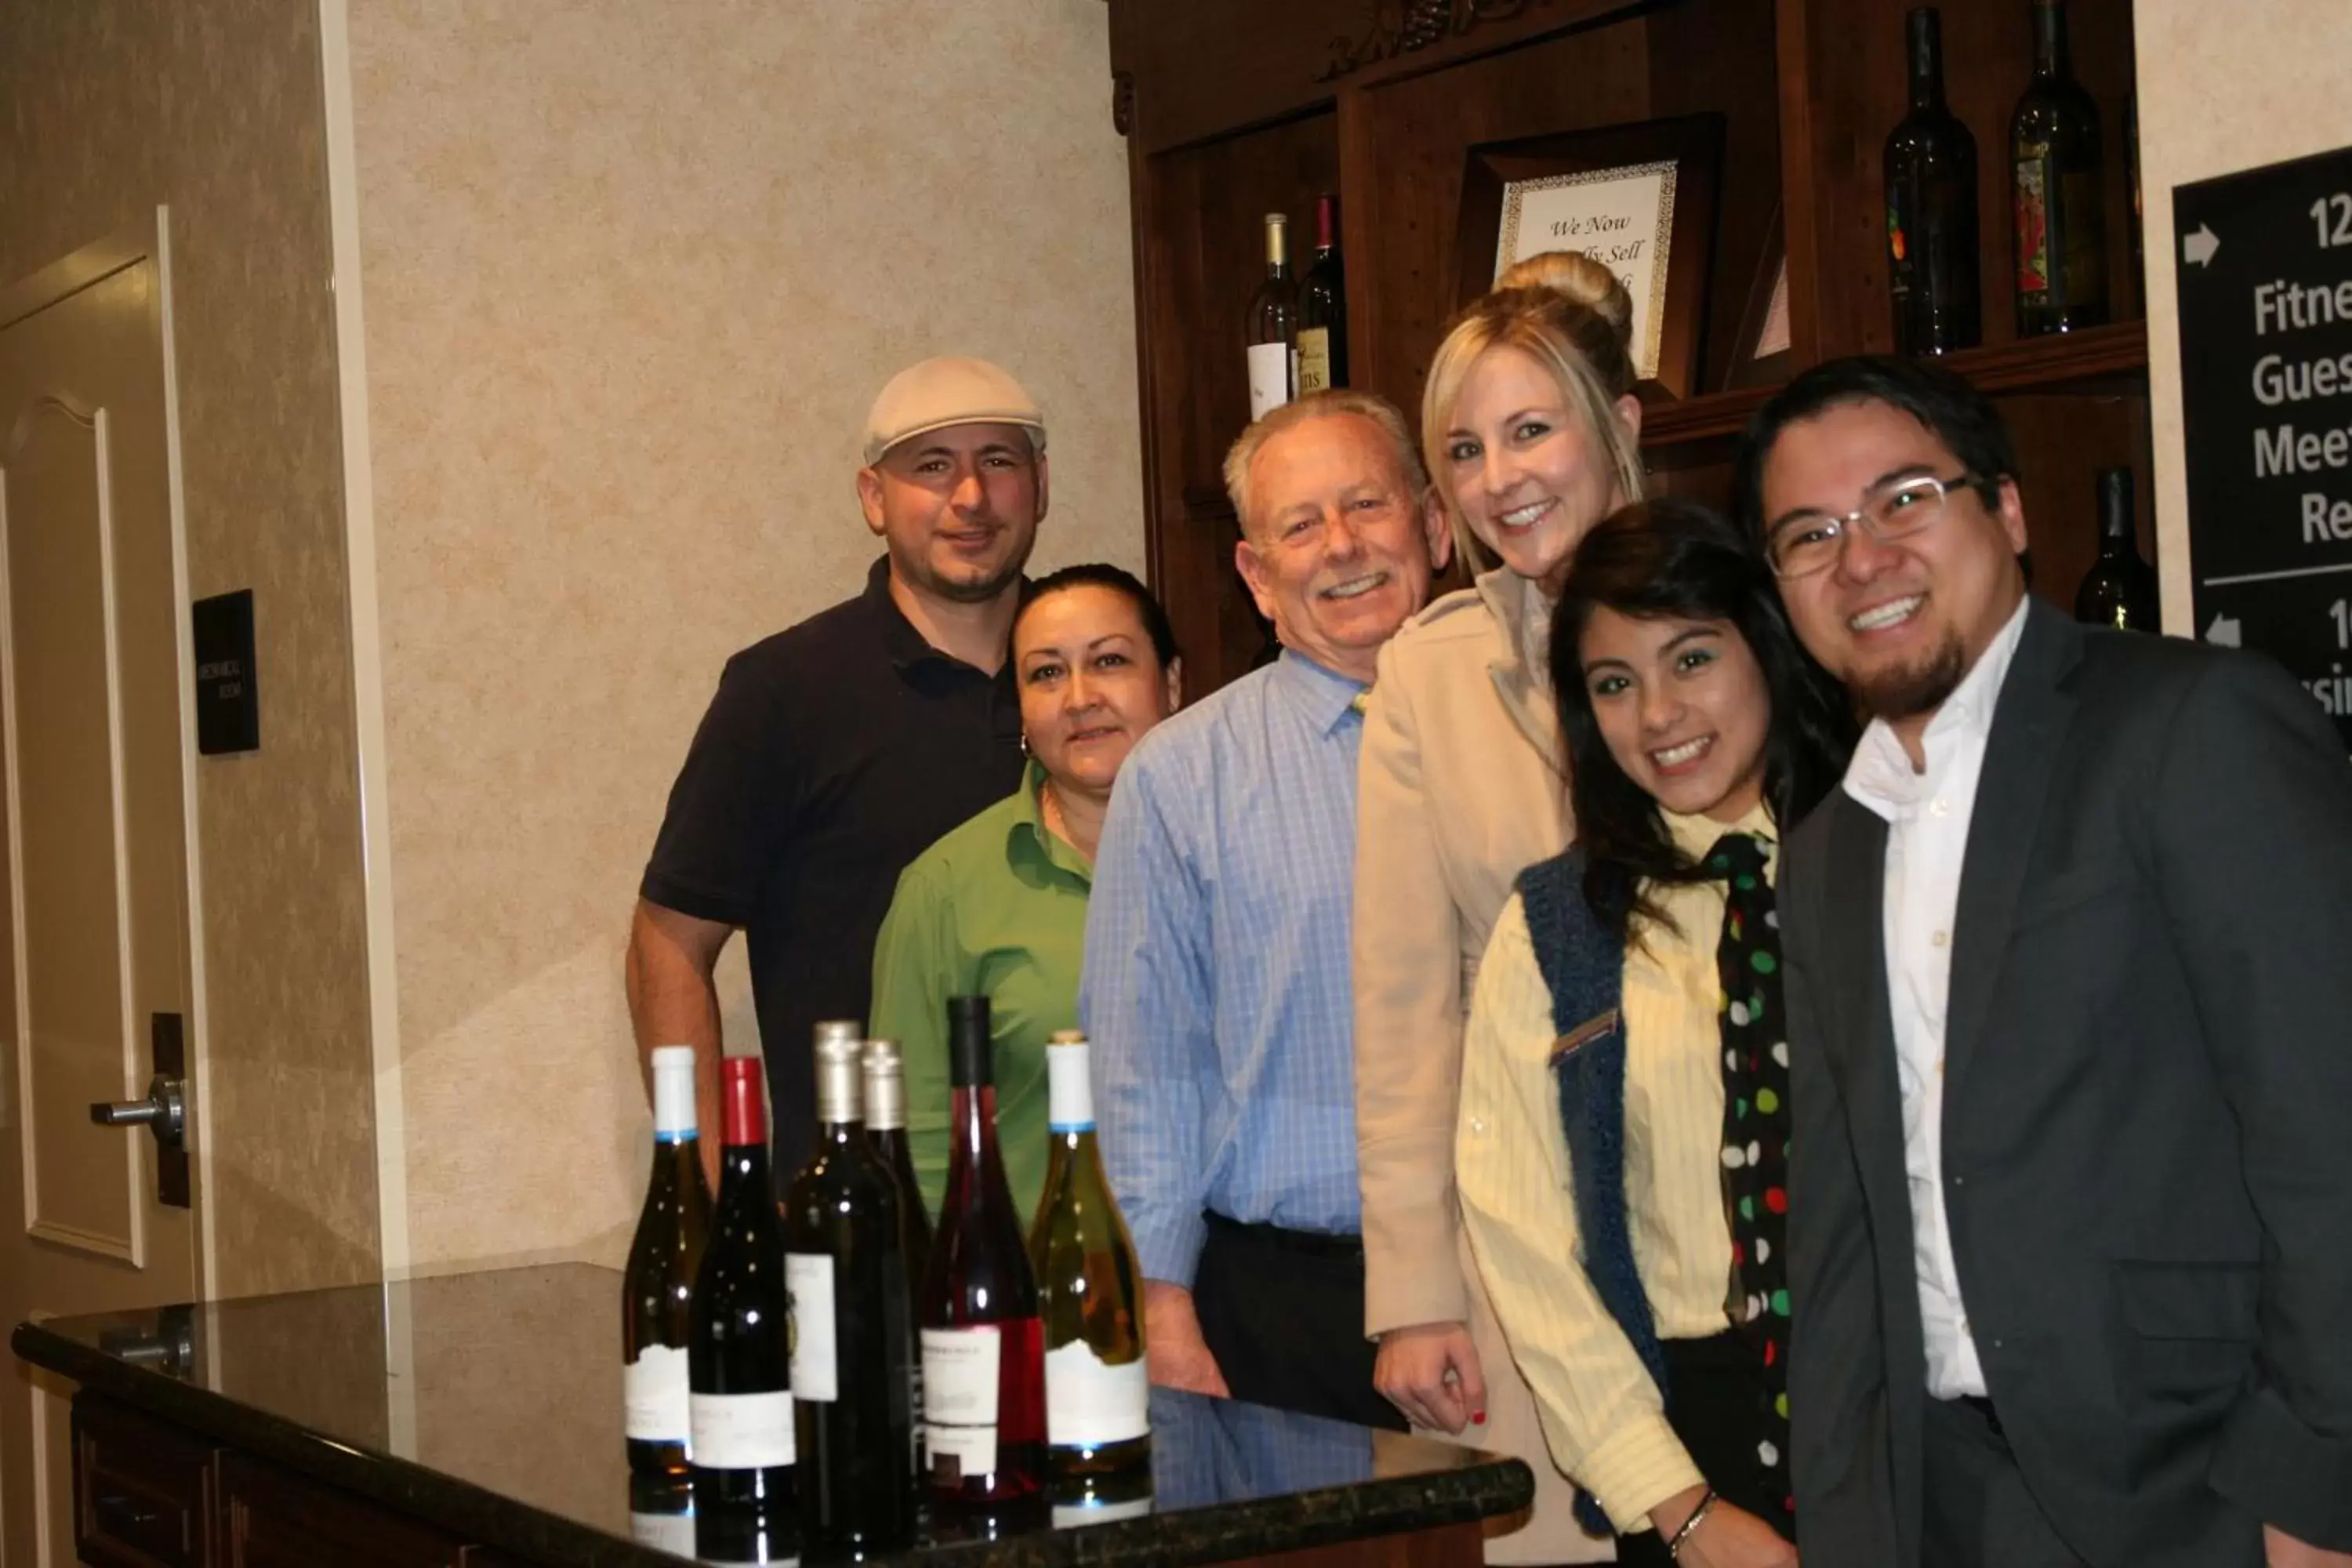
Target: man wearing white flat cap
point(836, 752)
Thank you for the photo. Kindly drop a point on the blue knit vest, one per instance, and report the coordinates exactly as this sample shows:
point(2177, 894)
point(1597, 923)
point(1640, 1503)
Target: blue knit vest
point(1583, 967)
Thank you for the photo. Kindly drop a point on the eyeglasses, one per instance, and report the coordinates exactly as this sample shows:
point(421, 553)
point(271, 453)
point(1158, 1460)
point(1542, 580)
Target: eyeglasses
point(1811, 542)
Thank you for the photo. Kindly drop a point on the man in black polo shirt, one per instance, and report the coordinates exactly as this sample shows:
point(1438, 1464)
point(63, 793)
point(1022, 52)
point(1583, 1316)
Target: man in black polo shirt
point(836, 751)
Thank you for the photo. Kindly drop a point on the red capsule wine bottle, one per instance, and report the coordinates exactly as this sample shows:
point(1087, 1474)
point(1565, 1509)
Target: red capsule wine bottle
point(657, 1290)
point(1323, 306)
point(982, 1345)
point(845, 1257)
point(739, 1364)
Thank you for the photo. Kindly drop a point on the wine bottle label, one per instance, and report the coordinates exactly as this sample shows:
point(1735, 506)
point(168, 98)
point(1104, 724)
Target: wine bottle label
point(1090, 1402)
point(671, 1532)
point(1313, 359)
point(1078, 1515)
point(1898, 248)
point(654, 1396)
point(742, 1431)
point(959, 1383)
point(808, 1278)
point(1270, 378)
point(2033, 222)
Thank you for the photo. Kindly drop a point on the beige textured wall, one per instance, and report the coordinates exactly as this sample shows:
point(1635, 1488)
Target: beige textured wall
point(2221, 88)
point(633, 274)
point(215, 109)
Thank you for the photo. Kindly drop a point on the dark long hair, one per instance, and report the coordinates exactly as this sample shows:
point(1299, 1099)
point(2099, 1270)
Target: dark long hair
point(1677, 558)
point(1101, 575)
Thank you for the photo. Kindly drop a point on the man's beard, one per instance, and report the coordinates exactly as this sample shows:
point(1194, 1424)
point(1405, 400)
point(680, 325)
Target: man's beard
point(977, 591)
point(1906, 691)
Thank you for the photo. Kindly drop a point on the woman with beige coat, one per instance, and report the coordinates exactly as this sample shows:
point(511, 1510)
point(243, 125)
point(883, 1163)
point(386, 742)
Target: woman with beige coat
point(1531, 434)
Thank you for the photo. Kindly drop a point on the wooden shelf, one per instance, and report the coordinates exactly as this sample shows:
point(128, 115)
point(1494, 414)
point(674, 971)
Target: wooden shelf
point(2065, 362)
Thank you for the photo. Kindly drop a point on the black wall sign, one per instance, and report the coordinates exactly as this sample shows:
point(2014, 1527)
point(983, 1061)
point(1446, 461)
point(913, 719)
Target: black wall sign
point(2266, 392)
point(228, 709)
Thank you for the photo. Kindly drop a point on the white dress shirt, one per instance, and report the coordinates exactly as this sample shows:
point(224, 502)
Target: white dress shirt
point(1927, 813)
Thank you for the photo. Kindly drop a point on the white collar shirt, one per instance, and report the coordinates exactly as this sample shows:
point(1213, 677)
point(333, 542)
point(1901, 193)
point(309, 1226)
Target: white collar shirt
point(1927, 811)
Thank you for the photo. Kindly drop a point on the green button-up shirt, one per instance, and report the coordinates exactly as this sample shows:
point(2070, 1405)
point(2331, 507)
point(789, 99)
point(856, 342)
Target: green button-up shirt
point(996, 909)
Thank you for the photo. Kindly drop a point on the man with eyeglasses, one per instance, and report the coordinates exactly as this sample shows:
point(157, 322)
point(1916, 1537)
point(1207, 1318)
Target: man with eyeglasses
point(2071, 1038)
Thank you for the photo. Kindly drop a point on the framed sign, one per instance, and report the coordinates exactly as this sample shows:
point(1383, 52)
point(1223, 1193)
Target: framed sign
point(1640, 199)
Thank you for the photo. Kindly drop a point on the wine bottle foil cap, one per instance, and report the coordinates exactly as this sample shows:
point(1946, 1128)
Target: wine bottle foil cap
point(969, 1058)
point(743, 1108)
point(840, 1078)
point(674, 1111)
point(885, 1087)
point(839, 1029)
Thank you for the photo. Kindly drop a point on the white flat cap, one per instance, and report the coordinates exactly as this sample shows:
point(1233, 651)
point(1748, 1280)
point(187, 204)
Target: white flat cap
point(938, 393)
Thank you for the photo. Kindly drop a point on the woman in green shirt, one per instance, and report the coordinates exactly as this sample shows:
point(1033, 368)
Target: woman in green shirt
point(998, 908)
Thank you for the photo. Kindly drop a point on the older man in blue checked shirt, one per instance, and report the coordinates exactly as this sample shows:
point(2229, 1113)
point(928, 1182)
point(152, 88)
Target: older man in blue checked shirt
point(1216, 985)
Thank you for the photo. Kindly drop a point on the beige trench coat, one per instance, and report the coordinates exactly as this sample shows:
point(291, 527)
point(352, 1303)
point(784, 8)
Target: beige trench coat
point(1460, 789)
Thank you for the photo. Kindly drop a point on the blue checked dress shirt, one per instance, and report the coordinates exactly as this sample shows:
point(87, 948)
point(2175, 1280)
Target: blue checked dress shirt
point(1216, 986)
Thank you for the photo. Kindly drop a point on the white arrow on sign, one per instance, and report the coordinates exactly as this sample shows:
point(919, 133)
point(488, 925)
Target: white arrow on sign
point(2223, 632)
point(2200, 247)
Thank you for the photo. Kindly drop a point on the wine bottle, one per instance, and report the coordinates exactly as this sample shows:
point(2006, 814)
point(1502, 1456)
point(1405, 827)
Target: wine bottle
point(2120, 590)
point(1274, 326)
point(1323, 307)
point(2061, 235)
point(1089, 1290)
point(1931, 208)
point(740, 1356)
point(885, 1129)
point(845, 1261)
point(661, 1513)
point(983, 1357)
point(657, 1290)
point(2131, 172)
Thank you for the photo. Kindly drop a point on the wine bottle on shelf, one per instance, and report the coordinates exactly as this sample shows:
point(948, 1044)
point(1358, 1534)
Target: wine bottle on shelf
point(1931, 208)
point(846, 1262)
point(983, 1356)
point(2061, 233)
point(1273, 326)
point(2131, 170)
point(657, 1290)
point(740, 1357)
point(2120, 590)
point(1323, 307)
point(885, 1129)
point(1089, 1290)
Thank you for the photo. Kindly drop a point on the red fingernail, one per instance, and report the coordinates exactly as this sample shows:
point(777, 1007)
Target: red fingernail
point(1477, 1418)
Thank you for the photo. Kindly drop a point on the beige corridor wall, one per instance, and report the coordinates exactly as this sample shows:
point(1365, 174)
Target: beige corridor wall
point(215, 109)
point(2222, 87)
point(633, 273)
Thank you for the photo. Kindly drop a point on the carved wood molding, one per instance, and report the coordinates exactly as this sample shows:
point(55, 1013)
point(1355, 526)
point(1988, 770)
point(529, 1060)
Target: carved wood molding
point(1122, 101)
point(1394, 27)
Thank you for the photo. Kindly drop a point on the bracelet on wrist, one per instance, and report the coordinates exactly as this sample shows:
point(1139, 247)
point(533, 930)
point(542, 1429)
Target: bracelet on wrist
point(1690, 1525)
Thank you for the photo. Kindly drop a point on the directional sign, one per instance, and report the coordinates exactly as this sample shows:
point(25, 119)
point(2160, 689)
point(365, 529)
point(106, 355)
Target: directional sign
point(2265, 285)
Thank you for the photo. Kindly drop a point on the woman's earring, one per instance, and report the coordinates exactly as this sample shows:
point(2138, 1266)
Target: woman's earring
point(1024, 742)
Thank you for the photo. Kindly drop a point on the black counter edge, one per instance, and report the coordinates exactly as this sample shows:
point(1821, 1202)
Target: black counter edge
point(479, 1517)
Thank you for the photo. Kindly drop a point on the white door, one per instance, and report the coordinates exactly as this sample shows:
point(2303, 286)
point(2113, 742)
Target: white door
point(94, 746)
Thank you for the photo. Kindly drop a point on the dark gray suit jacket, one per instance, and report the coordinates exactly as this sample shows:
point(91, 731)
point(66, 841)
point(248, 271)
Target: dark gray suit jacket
point(2148, 1118)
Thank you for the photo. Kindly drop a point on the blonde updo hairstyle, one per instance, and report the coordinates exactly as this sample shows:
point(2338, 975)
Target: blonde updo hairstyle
point(1569, 314)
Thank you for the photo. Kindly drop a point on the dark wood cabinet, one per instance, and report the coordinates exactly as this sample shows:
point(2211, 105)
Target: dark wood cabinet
point(142, 1490)
point(1234, 109)
point(271, 1519)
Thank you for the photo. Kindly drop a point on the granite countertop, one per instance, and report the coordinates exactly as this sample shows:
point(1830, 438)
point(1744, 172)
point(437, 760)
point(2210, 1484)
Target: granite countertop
point(489, 1405)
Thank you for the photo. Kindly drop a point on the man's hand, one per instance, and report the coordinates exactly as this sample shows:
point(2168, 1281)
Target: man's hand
point(1726, 1538)
point(1430, 1373)
point(673, 1001)
point(1176, 1354)
point(2281, 1549)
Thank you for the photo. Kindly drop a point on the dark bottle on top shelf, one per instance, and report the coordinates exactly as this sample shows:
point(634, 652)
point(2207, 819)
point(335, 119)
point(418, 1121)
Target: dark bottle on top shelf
point(738, 1363)
point(657, 1290)
point(1931, 208)
point(2120, 590)
point(1323, 307)
point(844, 1258)
point(2061, 233)
point(983, 1344)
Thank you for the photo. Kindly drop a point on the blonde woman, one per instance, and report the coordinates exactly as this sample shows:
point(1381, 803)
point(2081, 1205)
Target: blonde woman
point(1531, 434)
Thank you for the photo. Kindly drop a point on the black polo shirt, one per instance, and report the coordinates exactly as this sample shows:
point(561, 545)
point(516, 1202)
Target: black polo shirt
point(833, 754)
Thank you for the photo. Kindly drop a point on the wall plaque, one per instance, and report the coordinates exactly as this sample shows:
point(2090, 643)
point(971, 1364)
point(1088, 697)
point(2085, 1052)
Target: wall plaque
point(228, 708)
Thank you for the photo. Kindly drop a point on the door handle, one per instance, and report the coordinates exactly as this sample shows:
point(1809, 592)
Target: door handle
point(164, 1111)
